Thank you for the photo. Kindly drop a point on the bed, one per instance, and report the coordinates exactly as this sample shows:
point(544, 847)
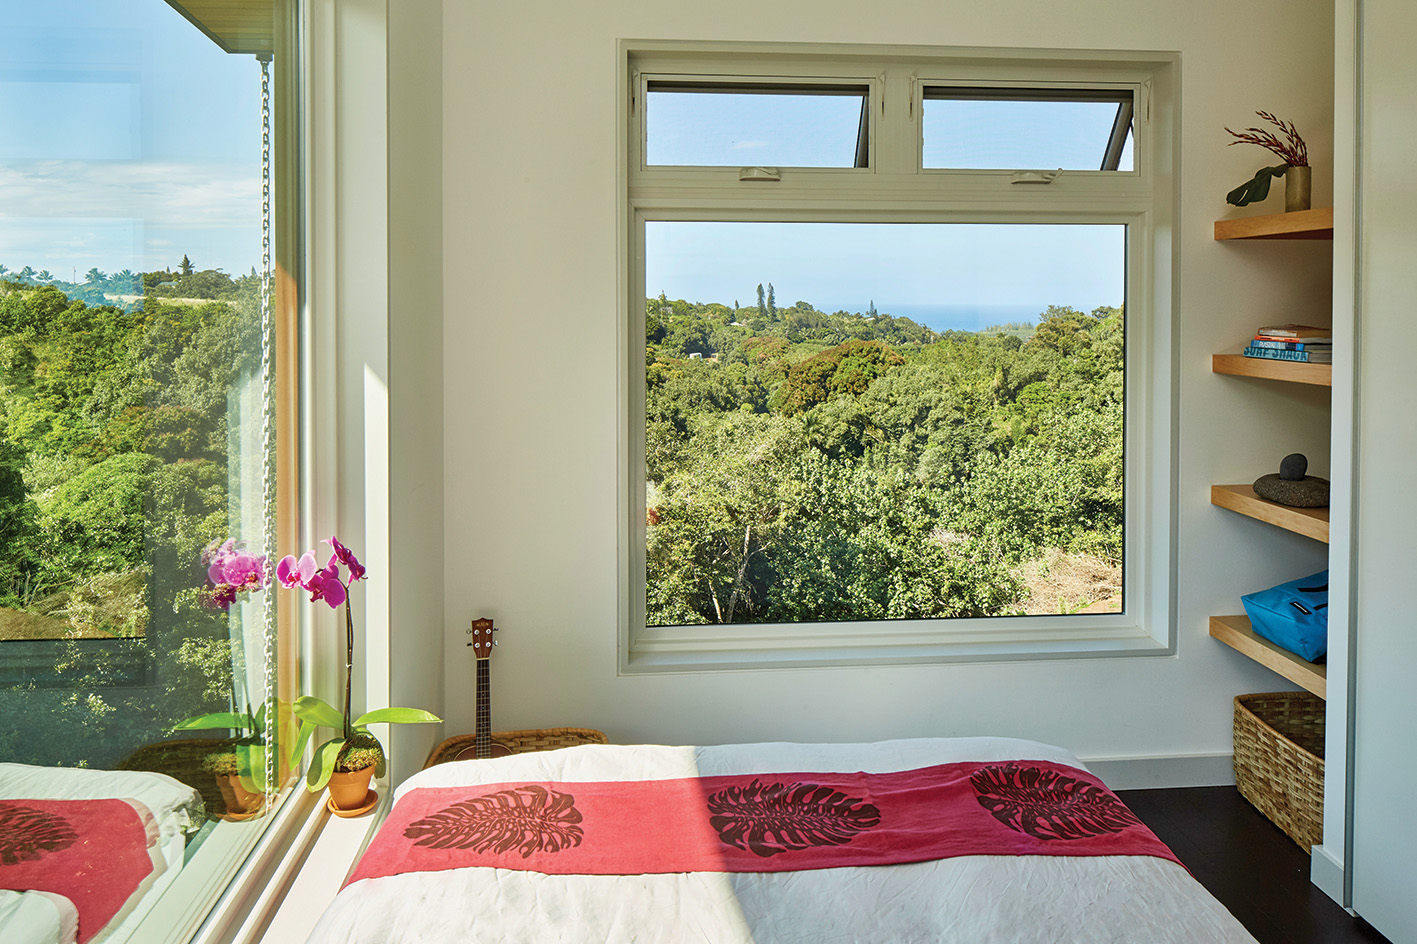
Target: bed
point(437, 872)
point(81, 850)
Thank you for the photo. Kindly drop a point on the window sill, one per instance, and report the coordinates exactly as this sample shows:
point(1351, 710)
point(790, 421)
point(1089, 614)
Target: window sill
point(319, 873)
point(695, 648)
point(290, 878)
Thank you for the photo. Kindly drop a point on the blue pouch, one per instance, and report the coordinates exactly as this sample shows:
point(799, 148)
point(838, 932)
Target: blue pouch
point(1293, 615)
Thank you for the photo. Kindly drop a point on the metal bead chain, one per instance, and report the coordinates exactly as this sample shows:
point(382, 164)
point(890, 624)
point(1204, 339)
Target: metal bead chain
point(268, 447)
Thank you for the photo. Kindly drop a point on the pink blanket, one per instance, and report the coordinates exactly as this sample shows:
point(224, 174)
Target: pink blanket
point(762, 823)
point(93, 852)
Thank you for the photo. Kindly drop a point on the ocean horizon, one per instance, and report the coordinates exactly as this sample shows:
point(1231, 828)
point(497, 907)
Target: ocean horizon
point(954, 317)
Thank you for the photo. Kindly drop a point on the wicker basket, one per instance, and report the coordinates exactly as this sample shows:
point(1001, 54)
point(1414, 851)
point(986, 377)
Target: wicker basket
point(1279, 760)
point(518, 742)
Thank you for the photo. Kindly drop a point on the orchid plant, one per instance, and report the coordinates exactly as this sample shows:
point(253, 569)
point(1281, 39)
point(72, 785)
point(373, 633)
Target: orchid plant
point(355, 747)
point(232, 570)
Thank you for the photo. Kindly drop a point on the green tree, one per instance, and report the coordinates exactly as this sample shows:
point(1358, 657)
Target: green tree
point(715, 518)
point(17, 522)
point(865, 544)
point(847, 369)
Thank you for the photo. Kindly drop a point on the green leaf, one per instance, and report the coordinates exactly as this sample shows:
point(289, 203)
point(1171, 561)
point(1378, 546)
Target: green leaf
point(1256, 188)
point(301, 740)
point(397, 716)
point(251, 766)
point(322, 766)
point(218, 719)
point(310, 708)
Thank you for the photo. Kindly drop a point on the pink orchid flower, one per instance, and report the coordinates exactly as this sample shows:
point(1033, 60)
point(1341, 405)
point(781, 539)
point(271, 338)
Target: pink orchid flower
point(346, 557)
point(221, 596)
point(241, 570)
point(326, 585)
point(323, 583)
point(292, 573)
point(231, 570)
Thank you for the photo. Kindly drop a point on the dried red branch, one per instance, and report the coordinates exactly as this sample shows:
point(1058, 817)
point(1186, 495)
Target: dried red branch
point(1293, 151)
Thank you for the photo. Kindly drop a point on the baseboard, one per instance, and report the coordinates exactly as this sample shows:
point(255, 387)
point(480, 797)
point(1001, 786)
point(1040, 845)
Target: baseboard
point(1174, 770)
point(1326, 872)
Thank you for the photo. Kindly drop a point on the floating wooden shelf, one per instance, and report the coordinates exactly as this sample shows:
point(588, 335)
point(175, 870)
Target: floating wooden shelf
point(1301, 224)
point(1310, 522)
point(1236, 633)
point(1293, 371)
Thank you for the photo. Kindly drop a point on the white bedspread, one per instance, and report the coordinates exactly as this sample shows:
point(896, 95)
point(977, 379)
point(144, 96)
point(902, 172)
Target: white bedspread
point(970, 899)
point(167, 807)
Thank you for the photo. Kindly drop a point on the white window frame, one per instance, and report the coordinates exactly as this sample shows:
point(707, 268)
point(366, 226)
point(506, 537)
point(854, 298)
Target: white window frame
point(896, 188)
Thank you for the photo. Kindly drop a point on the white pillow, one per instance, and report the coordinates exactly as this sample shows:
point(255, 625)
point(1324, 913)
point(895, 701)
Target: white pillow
point(175, 806)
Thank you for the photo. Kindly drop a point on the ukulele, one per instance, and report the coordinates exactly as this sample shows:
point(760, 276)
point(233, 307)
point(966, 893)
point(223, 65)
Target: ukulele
point(483, 746)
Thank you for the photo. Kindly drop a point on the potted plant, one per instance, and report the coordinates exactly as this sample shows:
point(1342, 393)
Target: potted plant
point(1295, 169)
point(238, 764)
point(346, 762)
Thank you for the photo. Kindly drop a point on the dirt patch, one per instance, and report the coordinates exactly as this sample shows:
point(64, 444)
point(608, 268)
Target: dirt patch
point(1059, 582)
point(19, 624)
point(105, 606)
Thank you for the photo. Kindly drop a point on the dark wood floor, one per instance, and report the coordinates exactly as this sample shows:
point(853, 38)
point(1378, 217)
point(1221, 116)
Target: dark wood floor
point(1244, 860)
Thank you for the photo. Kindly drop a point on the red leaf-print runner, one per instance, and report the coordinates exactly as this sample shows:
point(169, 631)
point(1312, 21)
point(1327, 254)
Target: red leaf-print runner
point(759, 823)
point(93, 852)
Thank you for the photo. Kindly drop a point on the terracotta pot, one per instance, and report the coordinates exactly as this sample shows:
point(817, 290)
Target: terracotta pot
point(349, 788)
point(240, 803)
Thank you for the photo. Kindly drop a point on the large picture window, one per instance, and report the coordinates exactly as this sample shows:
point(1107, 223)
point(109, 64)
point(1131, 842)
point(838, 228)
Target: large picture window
point(144, 397)
point(954, 451)
point(893, 388)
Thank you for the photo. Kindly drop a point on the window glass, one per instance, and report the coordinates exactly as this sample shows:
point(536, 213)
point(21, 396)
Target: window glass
point(980, 128)
point(756, 125)
point(871, 421)
point(133, 457)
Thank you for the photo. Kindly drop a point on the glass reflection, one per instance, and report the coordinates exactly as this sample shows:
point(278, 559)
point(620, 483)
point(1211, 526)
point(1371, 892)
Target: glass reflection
point(131, 457)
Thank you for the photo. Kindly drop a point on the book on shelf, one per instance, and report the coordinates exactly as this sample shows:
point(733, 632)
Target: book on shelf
point(1302, 357)
point(1295, 332)
point(1277, 345)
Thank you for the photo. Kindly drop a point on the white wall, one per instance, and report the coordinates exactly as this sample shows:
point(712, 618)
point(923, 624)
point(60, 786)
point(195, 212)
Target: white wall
point(416, 625)
point(530, 228)
point(374, 456)
point(1384, 703)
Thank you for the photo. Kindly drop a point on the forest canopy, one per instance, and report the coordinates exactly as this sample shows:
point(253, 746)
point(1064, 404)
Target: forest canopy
point(804, 466)
point(116, 457)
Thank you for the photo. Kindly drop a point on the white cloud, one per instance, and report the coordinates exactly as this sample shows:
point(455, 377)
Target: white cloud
point(161, 194)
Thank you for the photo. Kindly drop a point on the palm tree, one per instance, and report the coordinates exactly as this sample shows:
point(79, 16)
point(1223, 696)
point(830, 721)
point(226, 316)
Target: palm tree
point(94, 275)
point(26, 274)
point(45, 276)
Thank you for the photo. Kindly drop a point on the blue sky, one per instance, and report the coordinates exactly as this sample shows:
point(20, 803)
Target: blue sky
point(819, 130)
point(130, 140)
point(943, 275)
point(925, 271)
